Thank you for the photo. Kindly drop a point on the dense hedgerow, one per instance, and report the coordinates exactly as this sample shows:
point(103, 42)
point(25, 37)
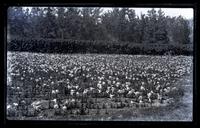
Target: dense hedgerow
point(81, 46)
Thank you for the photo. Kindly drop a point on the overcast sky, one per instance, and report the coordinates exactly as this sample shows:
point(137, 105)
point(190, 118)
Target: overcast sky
point(185, 12)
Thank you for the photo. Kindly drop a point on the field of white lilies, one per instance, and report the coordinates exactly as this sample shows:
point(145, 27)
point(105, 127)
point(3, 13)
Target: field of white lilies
point(92, 86)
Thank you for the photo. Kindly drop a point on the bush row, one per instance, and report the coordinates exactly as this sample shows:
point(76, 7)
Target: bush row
point(105, 47)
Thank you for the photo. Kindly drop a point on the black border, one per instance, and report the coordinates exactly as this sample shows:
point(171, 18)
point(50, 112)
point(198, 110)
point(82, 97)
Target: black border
point(142, 3)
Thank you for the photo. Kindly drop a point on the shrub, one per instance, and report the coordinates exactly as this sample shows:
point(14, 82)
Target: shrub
point(83, 46)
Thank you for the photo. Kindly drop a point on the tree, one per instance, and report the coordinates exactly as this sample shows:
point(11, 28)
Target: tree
point(61, 19)
point(123, 24)
point(107, 27)
point(36, 18)
point(72, 23)
point(17, 21)
point(135, 27)
point(161, 28)
point(90, 23)
point(153, 27)
point(141, 27)
point(150, 29)
point(191, 29)
point(181, 31)
point(48, 24)
point(97, 29)
point(170, 26)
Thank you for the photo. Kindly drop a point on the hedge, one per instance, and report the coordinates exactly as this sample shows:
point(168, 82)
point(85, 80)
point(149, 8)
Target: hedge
point(105, 47)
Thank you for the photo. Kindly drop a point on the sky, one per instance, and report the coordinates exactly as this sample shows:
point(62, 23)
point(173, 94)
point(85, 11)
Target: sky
point(184, 12)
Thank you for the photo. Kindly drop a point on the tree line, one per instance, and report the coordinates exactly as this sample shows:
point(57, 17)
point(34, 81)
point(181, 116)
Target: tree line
point(92, 23)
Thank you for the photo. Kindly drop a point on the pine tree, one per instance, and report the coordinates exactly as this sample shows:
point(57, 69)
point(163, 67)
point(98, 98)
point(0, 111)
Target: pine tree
point(150, 29)
point(161, 29)
point(61, 22)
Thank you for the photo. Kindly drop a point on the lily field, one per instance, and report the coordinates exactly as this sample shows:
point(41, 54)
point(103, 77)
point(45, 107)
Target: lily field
point(98, 87)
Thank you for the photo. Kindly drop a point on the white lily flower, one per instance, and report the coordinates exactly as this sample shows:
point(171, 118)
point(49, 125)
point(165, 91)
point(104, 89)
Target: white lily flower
point(137, 93)
point(15, 104)
point(55, 106)
point(64, 107)
point(53, 91)
point(157, 88)
point(8, 106)
point(140, 98)
point(111, 96)
point(142, 88)
point(54, 100)
point(140, 102)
